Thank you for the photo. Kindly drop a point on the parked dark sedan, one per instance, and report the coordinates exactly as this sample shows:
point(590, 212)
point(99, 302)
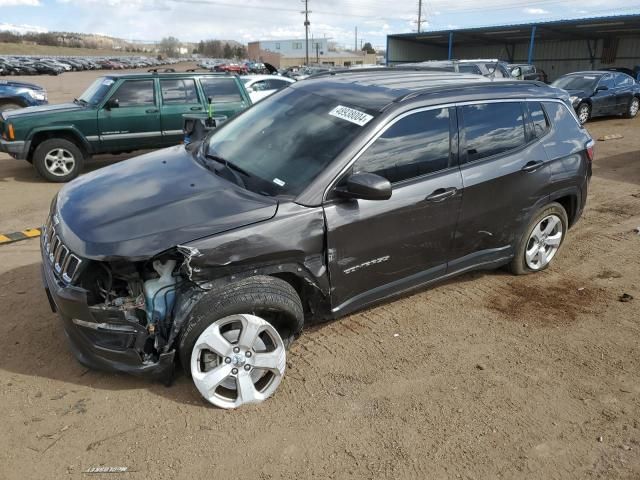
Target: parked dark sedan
point(598, 93)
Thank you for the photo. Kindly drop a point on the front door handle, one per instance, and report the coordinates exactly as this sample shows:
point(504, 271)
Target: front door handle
point(152, 110)
point(441, 194)
point(532, 166)
point(196, 108)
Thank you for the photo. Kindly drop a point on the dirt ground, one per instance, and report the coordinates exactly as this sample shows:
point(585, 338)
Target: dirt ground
point(487, 376)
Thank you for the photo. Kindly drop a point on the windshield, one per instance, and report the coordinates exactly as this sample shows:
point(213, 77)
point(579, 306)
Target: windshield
point(286, 140)
point(577, 82)
point(97, 90)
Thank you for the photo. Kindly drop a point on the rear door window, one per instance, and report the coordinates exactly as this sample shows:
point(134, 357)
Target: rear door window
point(221, 90)
point(607, 81)
point(178, 90)
point(415, 145)
point(276, 84)
point(134, 93)
point(492, 129)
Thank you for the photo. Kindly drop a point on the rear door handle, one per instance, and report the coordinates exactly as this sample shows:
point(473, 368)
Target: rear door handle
point(532, 166)
point(196, 108)
point(152, 110)
point(441, 194)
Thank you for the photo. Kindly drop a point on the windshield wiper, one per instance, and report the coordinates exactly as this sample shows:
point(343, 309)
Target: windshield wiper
point(230, 167)
point(80, 101)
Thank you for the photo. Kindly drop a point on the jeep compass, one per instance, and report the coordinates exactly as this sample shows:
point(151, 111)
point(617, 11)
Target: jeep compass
point(331, 195)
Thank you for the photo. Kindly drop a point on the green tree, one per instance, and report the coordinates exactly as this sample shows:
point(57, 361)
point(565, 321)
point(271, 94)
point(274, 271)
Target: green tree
point(227, 52)
point(368, 48)
point(169, 46)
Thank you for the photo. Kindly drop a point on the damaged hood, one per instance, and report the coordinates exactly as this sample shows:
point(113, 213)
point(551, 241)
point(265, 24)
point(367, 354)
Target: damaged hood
point(143, 206)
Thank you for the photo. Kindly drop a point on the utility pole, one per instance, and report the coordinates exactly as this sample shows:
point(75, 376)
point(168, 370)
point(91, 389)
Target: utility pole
point(306, 28)
point(355, 45)
point(419, 15)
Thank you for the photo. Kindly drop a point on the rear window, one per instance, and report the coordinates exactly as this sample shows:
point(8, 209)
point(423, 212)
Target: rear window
point(178, 90)
point(221, 90)
point(492, 128)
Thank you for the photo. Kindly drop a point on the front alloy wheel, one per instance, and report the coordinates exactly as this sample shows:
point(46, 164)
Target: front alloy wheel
point(544, 242)
point(238, 360)
point(59, 162)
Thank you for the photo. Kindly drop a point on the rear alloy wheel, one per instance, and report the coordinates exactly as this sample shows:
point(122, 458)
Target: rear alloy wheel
point(634, 107)
point(544, 242)
point(238, 360)
point(584, 113)
point(58, 160)
point(541, 240)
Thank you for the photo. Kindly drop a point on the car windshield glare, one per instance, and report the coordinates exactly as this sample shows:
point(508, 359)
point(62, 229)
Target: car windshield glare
point(97, 90)
point(577, 82)
point(286, 140)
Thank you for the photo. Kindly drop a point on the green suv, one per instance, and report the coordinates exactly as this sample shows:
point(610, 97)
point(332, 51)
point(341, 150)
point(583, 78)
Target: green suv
point(116, 114)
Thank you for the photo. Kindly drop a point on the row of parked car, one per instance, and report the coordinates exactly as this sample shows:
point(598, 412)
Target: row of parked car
point(28, 65)
point(149, 107)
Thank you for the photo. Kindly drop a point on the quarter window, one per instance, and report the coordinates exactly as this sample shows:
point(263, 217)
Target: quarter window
point(133, 93)
point(492, 128)
point(538, 119)
point(221, 90)
point(413, 146)
point(178, 91)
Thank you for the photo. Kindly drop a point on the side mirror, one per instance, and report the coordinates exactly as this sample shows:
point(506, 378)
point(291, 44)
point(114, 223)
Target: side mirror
point(366, 186)
point(601, 88)
point(112, 103)
point(250, 89)
point(516, 72)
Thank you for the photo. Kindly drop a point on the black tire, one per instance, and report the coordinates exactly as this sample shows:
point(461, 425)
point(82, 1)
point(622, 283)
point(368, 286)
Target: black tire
point(518, 265)
point(48, 146)
point(587, 108)
point(6, 106)
point(629, 113)
point(270, 298)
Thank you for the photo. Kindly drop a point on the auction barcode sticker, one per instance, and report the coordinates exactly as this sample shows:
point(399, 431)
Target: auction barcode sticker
point(351, 115)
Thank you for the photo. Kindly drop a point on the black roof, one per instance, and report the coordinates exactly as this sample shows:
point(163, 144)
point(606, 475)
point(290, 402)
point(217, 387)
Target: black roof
point(376, 89)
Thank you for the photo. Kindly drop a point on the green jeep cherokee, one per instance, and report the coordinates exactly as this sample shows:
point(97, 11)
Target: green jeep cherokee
point(116, 114)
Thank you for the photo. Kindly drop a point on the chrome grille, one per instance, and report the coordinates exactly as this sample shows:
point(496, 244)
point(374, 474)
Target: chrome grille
point(65, 263)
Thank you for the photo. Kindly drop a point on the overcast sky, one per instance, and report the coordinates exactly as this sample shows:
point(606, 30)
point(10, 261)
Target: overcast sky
point(247, 20)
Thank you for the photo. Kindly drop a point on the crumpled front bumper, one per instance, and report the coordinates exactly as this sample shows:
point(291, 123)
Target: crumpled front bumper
point(101, 339)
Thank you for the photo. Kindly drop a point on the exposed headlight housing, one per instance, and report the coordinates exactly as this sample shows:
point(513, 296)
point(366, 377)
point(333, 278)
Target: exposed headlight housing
point(38, 95)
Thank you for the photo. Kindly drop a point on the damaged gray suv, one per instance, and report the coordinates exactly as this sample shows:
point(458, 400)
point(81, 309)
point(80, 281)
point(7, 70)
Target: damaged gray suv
point(336, 193)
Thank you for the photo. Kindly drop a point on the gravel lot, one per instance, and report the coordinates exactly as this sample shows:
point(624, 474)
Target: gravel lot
point(485, 376)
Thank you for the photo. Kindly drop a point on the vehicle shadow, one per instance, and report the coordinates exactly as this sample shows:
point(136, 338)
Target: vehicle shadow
point(32, 343)
point(624, 167)
point(12, 170)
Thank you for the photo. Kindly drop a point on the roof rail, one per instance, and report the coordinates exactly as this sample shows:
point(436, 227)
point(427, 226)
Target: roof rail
point(398, 68)
point(505, 83)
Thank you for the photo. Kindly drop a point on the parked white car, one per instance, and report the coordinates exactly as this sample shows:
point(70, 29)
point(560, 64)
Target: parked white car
point(261, 86)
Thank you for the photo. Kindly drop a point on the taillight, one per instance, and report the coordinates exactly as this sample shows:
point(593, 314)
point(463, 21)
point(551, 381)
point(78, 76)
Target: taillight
point(12, 133)
point(591, 150)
